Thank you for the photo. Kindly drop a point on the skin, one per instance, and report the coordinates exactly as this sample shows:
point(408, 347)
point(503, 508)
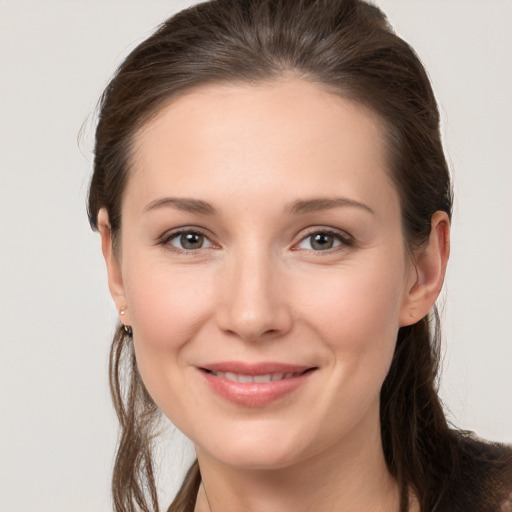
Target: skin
point(258, 291)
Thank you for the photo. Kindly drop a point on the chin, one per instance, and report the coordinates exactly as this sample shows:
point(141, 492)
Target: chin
point(261, 450)
point(255, 458)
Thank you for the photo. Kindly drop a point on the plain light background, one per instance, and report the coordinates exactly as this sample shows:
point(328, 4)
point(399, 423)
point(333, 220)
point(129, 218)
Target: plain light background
point(57, 428)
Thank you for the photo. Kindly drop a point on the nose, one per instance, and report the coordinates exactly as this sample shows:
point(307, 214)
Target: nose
point(253, 304)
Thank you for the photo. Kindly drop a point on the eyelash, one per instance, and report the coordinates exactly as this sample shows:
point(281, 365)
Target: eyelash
point(165, 241)
point(344, 238)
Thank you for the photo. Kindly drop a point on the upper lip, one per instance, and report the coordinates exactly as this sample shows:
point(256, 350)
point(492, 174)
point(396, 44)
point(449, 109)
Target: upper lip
point(261, 368)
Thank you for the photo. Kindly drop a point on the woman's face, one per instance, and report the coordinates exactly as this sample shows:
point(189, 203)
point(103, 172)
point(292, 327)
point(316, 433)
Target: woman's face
point(264, 270)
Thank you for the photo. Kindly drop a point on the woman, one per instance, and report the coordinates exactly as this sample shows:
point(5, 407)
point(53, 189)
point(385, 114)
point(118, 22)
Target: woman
point(274, 207)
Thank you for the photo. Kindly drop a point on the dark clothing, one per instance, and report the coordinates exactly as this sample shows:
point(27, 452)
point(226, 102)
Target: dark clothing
point(481, 480)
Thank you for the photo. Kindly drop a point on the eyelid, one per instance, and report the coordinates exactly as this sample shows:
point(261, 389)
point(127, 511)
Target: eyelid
point(165, 239)
point(345, 238)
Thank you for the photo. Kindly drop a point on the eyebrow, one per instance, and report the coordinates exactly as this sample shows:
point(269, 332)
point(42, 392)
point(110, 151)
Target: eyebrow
point(324, 203)
point(297, 207)
point(182, 203)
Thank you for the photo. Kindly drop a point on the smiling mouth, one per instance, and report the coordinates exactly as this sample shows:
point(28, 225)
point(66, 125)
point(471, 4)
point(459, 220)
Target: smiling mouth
point(263, 378)
point(255, 385)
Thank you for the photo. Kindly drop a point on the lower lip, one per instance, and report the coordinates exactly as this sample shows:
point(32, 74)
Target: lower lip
point(254, 394)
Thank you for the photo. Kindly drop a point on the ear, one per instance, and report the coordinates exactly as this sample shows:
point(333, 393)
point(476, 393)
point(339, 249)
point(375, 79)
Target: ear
point(427, 271)
point(115, 277)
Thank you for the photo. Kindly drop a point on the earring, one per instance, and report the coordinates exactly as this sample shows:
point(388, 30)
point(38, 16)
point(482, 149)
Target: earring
point(128, 329)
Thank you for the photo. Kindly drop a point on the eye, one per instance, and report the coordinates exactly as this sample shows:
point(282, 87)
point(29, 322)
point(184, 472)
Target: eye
point(321, 241)
point(187, 240)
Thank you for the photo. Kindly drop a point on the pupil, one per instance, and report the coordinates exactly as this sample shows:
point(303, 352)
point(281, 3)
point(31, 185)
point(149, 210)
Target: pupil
point(322, 241)
point(191, 240)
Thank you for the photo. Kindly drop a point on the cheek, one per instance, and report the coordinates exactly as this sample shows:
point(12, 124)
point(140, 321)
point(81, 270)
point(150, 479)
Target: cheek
point(167, 309)
point(355, 309)
point(355, 314)
point(166, 305)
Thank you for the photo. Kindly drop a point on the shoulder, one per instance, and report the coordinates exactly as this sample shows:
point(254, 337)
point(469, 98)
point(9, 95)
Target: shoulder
point(481, 479)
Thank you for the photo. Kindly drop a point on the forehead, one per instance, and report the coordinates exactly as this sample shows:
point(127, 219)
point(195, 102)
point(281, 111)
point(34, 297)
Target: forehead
point(292, 136)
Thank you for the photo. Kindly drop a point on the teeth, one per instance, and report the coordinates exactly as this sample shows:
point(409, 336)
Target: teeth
point(268, 377)
point(262, 378)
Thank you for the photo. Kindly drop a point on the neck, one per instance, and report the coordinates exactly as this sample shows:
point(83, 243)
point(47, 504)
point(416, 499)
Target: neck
point(351, 476)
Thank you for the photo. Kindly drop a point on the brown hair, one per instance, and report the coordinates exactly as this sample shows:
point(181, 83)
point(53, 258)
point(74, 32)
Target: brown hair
point(347, 46)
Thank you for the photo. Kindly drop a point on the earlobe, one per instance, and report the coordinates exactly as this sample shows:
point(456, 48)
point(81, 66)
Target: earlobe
point(430, 262)
point(115, 278)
